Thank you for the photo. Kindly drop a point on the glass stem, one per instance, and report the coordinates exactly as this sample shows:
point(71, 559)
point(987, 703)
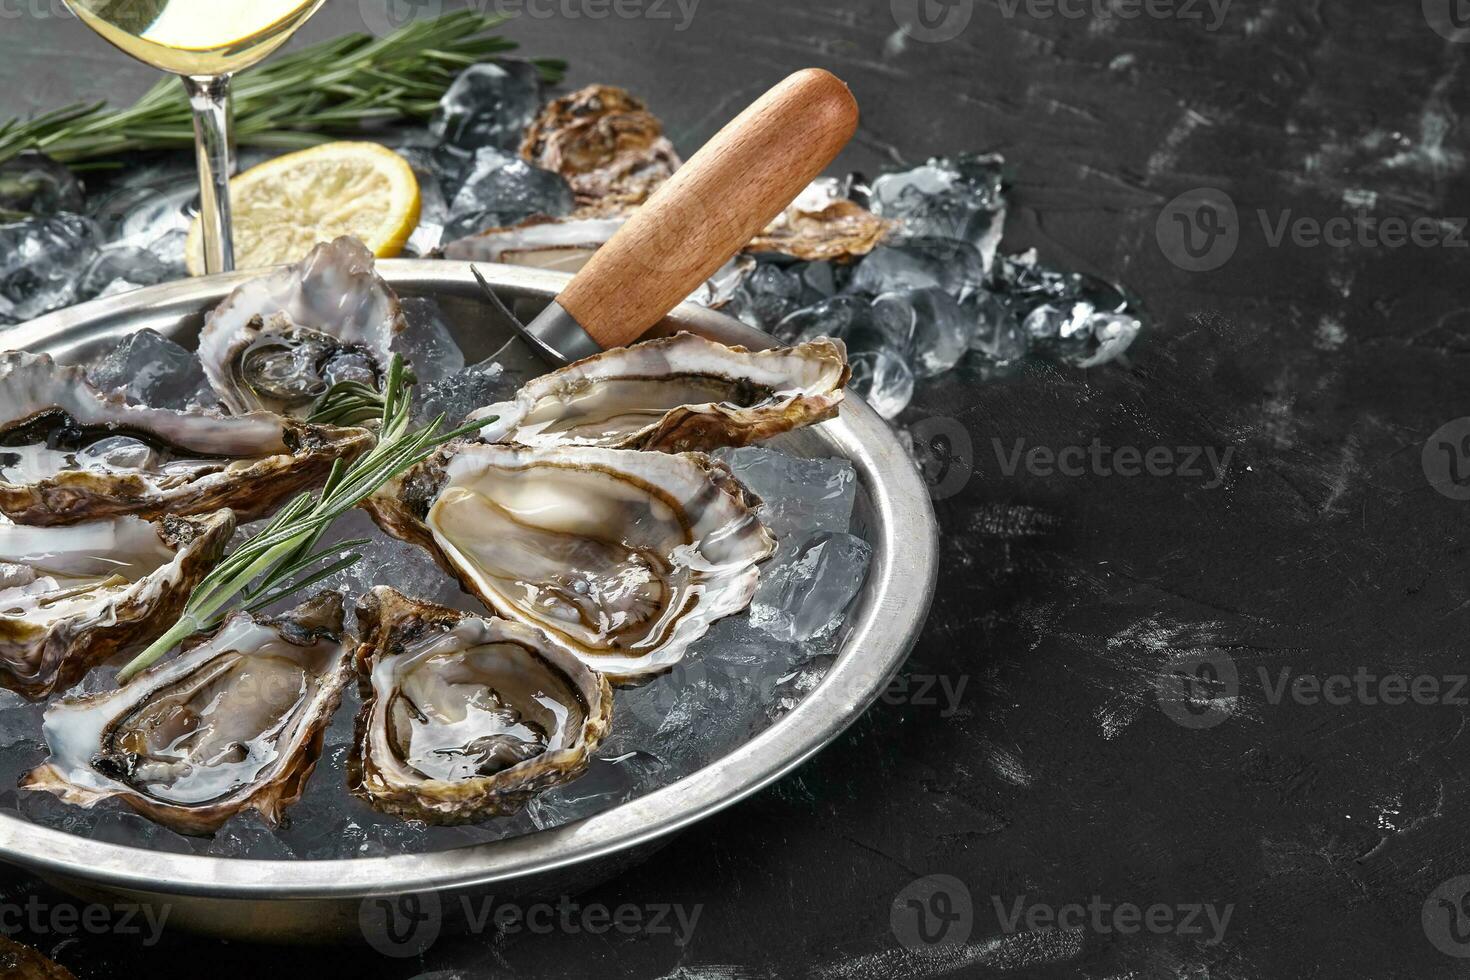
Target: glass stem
point(210, 98)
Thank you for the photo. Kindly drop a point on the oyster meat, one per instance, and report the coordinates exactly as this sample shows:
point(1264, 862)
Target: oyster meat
point(70, 453)
point(464, 717)
point(675, 394)
point(624, 558)
point(236, 722)
point(73, 597)
point(279, 341)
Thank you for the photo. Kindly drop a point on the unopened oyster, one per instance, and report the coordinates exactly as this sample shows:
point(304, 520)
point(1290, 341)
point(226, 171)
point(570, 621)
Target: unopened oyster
point(70, 453)
point(282, 339)
point(624, 558)
point(73, 597)
point(822, 225)
point(607, 145)
point(675, 394)
point(236, 722)
point(464, 717)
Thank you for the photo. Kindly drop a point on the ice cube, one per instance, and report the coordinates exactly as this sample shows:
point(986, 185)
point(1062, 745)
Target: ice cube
point(942, 332)
point(957, 197)
point(952, 265)
point(998, 335)
point(122, 268)
point(826, 318)
point(149, 369)
point(20, 720)
point(147, 205)
point(388, 561)
point(501, 189)
point(883, 380)
point(115, 454)
point(463, 392)
point(793, 688)
point(607, 783)
point(33, 184)
point(818, 280)
point(1050, 320)
point(766, 296)
point(805, 595)
point(860, 323)
point(1101, 338)
point(41, 260)
point(489, 104)
point(433, 200)
point(800, 496)
point(427, 344)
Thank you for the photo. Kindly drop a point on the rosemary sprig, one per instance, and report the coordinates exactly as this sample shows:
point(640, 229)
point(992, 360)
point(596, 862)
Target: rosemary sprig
point(344, 85)
point(259, 572)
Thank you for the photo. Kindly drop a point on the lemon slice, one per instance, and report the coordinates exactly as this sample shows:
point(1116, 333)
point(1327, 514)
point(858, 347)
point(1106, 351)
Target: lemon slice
point(285, 206)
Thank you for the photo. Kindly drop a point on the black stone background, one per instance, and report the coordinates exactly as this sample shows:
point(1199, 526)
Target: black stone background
point(1057, 777)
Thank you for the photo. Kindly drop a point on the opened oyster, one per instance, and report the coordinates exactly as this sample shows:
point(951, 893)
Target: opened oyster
point(675, 394)
point(464, 717)
point(73, 597)
point(624, 558)
point(69, 453)
point(281, 340)
point(234, 723)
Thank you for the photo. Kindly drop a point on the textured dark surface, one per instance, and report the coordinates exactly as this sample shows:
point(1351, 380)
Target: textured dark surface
point(1057, 777)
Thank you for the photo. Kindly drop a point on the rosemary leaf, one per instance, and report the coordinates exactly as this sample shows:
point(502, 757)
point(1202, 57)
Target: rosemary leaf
point(261, 570)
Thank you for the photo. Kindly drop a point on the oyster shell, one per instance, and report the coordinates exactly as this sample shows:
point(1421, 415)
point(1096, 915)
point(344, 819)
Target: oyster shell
point(624, 558)
point(675, 394)
point(464, 717)
point(607, 145)
point(822, 225)
point(280, 340)
point(73, 597)
point(70, 453)
point(236, 722)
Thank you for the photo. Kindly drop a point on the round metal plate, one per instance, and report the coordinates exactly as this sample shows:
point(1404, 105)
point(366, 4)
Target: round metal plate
point(316, 900)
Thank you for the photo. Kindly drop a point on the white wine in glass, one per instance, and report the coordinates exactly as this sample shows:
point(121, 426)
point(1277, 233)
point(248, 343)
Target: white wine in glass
point(204, 42)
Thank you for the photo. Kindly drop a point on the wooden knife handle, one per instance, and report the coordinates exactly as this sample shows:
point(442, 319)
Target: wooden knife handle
point(712, 206)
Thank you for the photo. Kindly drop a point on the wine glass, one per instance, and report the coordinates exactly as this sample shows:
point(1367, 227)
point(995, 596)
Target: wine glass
point(204, 42)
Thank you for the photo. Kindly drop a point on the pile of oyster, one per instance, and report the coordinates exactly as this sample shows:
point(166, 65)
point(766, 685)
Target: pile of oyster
point(587, 519)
